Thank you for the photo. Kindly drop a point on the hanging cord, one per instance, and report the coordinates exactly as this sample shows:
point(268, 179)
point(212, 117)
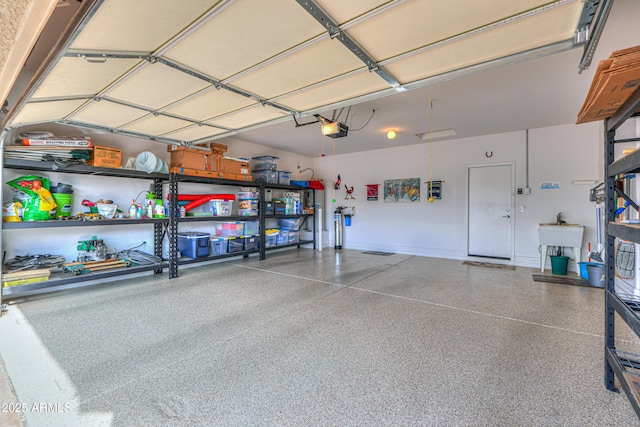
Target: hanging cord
point(373, 113)
point(431, 152)
point(139, 257)
point(313, 172)
point(333, 169)
point(136, 200)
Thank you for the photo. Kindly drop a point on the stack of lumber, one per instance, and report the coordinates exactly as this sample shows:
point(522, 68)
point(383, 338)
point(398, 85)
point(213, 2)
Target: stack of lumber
point(25, 277)
point(93, 266)
point(616, 78)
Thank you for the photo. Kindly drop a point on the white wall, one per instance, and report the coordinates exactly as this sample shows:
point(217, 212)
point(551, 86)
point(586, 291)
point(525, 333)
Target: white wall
point(286, 162)
point(563, 154)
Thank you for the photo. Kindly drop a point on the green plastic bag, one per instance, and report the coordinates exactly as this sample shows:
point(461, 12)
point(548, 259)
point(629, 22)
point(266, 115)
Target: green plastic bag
point(38, 202)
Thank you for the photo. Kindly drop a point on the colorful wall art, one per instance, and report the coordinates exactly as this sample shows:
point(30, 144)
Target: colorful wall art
point(405, 190)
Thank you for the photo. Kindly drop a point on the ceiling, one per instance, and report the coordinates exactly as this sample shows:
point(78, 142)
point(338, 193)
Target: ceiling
point(195, 71)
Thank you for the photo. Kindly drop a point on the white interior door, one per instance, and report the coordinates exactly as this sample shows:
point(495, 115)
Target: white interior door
point(491, 211)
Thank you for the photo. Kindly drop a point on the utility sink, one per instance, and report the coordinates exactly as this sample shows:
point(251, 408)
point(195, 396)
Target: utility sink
point(564, 224)
point(567, 235)
point(564, 235)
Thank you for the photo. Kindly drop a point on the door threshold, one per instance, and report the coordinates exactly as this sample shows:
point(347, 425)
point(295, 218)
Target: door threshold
point(489, 257)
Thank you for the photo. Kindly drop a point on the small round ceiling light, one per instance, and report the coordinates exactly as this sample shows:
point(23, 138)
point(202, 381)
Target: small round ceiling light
point(391, 134)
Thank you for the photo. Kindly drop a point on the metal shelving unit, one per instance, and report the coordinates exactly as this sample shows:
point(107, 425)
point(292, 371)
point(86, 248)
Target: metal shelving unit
point(34, 165)
point(76, 223)
point(174, 220)
point(262, 209)
point(619, 364)
point(303, 217)
point(59, 281)
point(62, 281)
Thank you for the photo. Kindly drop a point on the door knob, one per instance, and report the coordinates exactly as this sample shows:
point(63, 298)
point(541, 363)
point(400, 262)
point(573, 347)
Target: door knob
point(506, 216)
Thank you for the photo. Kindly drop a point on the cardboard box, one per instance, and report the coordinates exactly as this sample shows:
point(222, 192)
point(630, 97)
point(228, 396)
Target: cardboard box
point(219, 149)
point(614, 81)
point(215, 160)
point(191, 158)
point(106, 157)
point(237, 166)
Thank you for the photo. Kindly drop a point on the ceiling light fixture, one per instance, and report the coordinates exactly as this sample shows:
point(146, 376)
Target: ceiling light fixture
point(391, 134)
point(436, 134)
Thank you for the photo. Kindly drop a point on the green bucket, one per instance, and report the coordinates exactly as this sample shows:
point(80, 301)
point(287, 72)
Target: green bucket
point(559, 264)
point(63, 200)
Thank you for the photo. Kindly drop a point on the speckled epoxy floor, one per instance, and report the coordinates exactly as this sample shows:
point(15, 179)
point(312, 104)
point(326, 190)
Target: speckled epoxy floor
point(334, 338)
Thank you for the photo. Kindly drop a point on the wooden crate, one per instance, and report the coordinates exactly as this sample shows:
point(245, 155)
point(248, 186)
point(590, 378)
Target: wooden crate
point(213, 148)
point(106, 157)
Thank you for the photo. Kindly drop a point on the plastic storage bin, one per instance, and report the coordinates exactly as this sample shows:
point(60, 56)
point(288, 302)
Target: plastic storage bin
point(294, 236)
point(251, 228)
point(289, 223)
point(268, 176)
point(236, 244)
point(286, 206)
point(193, 244)
point(247, 207)
point(248, 195)
point(219, 245)
point(247, 212)
point(284, 177)
point(269, 208)
point(271, 238)
point(229, 228)
point(264, 163)
point(283, 237)
point(221, 207)
point(279, 207)
point(251, 242)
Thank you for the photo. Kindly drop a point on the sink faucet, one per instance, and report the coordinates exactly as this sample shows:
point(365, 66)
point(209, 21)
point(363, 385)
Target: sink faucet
point(559, 218)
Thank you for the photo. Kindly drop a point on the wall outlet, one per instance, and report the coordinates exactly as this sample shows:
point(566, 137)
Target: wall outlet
point(526, 190)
